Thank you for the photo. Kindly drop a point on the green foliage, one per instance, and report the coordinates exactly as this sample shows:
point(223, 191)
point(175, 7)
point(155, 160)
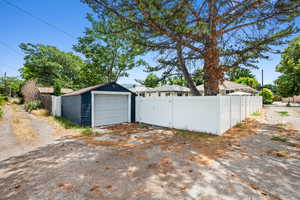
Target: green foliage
point(284, 113)
point(252, 82)
point(66, 123)
point(109, 57)
point(48, 64)
point(13, 85)
point(3, 99)
point(288, 83)
point(216, 34)
point(33, 105)
point(267, 95)
point(281, 139)
point(1, 112)
point(271, 87)
point(198, 76)
point(256, 114)
point(235, 73)
point(151, 81)
point(87, 131)
point(57, 89)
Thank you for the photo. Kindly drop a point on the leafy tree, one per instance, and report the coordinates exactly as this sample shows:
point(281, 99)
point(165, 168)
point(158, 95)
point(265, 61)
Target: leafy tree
point(288, 83)
point(235, 73)
point(57, 89)
point(13, 85)
point(48, 64)
point(252, 82)
point(267, 96)
point(271, 87)
point(198, 77)
point(109, 57)
point(151, 81)
point(219, 33)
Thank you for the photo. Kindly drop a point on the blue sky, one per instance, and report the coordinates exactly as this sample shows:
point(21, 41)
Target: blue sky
point(68, 15)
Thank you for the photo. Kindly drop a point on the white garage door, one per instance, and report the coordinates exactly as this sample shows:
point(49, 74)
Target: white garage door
point(110, 109)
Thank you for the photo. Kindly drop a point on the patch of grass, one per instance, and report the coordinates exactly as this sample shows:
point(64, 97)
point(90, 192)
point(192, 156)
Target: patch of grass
point(66, 123)
point(284, 113)
point(87, 131)
point(194, 135)
point(281, 139)
point(256, 114)
point(238, 125)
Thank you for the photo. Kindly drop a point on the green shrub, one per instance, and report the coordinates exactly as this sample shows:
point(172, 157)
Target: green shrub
point(3, 99)
point(267, 95)
point(33, 105)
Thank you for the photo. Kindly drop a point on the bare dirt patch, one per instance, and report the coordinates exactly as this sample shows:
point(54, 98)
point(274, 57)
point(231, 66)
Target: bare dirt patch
point(22, 127)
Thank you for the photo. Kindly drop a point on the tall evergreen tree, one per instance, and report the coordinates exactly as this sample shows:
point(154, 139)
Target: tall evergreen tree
point(220, 33)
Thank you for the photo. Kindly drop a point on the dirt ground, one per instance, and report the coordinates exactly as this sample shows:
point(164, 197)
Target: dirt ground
point(21, 132)
point(134, 161)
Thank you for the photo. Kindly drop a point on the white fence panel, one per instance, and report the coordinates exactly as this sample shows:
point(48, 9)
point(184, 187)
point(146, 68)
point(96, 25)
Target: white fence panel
point(212, 114)
point(196, 114)
point(56, 106)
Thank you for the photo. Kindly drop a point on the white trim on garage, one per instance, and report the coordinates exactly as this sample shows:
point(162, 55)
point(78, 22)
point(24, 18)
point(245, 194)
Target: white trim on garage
point(93, 93)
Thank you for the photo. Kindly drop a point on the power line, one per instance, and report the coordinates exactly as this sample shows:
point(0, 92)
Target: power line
point(10, 48)
point(39, 19)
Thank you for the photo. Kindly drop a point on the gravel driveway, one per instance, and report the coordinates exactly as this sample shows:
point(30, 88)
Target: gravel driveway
point(150, 163)
point(21, 132)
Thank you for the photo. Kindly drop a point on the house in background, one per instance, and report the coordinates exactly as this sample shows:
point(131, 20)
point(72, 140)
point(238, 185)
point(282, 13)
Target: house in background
point(140, 91)
point(228, 87)
point(49, 91)
point(169, 90)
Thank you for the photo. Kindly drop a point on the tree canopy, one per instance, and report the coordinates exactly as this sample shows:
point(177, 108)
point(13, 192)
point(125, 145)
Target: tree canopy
point(252, 82)
point(235, 73)
point(217, 34)
point(150, 81)
point(47, 64)
point(288, 83)
point(109, 57)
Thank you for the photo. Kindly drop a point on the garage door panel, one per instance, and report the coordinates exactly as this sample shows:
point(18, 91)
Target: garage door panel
point(110, 109)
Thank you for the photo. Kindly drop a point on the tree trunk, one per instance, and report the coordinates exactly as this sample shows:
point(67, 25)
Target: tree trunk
point(185, 73)
point(212, 73)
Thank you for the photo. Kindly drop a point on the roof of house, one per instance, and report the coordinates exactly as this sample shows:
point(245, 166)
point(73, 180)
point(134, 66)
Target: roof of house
point(83, 90)
point(140, 89)
point(49, 90)
point(229, 85)
point(170, 88)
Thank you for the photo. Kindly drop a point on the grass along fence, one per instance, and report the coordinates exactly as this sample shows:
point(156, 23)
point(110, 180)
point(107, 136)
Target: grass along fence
point(210, 114)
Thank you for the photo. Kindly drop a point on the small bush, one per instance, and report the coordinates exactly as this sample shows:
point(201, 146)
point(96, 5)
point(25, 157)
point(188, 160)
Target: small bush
point(87, 131)
point(281, 139)
point(3, 99)
point(33, 105)
point(267, 96)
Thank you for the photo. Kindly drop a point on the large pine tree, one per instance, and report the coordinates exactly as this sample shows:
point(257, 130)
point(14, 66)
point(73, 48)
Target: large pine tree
point(220, 33)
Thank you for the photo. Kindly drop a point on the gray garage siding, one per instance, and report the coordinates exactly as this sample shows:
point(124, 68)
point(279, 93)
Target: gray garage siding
point(71, 108)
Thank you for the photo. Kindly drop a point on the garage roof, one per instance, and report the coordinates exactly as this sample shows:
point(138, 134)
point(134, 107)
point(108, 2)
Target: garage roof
point(84, 90)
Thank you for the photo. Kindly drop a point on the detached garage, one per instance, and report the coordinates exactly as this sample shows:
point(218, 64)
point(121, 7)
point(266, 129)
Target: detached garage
point(99, 105)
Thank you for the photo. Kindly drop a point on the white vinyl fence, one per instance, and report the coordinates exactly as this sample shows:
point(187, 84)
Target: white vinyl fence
point(211, 114)
point(56, 106)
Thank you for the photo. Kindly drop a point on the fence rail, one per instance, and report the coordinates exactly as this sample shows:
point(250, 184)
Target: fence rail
point(211, 114)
